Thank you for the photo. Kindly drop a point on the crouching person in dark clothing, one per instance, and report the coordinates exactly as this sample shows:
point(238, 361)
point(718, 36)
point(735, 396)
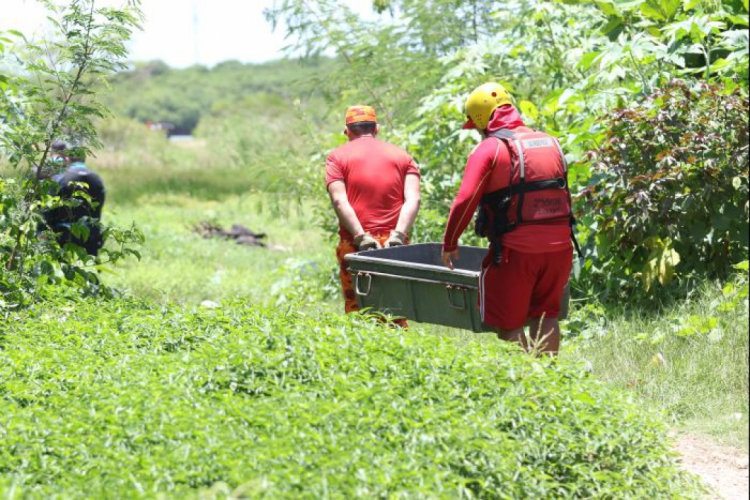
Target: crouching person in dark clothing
point(82, 194)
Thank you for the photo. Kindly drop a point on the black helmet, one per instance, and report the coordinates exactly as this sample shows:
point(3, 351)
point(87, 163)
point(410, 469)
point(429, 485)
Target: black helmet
point(59, 146)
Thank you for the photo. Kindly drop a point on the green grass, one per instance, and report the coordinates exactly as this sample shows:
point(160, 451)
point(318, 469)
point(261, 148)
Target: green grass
point(123, 399)
point(179, 265)
point(162, 396)
point(690, 361)
point(151, 166)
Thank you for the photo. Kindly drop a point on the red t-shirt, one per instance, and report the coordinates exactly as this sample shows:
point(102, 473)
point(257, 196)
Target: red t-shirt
point(373, 172)
point(480, 178)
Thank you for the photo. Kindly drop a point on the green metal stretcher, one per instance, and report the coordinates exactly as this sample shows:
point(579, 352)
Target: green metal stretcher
point(411, 282)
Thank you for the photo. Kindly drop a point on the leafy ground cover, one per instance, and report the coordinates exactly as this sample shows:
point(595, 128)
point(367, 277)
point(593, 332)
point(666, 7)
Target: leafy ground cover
point(273, 395)
point(690, 360)
point(128, 398)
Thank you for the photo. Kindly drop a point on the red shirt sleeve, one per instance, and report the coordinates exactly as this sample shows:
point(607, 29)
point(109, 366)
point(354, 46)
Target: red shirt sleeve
point(334, 171)
point(411, 167)
point(476, 178)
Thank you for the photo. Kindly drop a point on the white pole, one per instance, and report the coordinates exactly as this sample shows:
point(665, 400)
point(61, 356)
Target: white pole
point(195, 32)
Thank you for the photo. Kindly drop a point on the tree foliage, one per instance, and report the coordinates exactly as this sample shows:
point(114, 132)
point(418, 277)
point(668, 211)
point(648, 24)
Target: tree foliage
point(155, 92)
point(46, 93)
point(671, 186)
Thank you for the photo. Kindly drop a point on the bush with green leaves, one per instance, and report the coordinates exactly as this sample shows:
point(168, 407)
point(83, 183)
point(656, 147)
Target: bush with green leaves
point(46, 94)
point(669, 192)
point(127, 398)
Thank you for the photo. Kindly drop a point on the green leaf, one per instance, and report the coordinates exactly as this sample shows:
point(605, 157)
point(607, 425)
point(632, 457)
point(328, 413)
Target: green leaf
point(719, 65)
point(727, 307)
point(738, 20)
point(80, 231)
point(608, 7)
point(703, 324)
point(661, 266)
point(670, 7)
point(721, 222)
point(612, 28)
point(17, 33)
point(588, 60)
point(652, 9)
point(529, 109)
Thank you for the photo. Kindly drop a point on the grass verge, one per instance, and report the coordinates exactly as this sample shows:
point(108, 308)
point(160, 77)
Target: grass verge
point(690, 361)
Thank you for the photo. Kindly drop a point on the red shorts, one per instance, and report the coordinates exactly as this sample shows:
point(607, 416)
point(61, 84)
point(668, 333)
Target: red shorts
point(523, 286)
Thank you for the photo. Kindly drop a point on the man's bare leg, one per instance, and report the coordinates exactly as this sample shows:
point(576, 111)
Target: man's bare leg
point(545, 335)
point(516, 335)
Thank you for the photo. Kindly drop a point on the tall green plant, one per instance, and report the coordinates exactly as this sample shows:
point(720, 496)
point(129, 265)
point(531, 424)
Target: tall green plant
point(46, 94)
point(670, 187)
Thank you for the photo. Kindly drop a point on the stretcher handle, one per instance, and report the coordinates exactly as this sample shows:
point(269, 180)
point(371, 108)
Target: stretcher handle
point(451, 302)
point(357, 289)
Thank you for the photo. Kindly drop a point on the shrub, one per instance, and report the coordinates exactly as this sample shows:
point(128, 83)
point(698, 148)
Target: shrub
point(123, 398)
point(670, 187)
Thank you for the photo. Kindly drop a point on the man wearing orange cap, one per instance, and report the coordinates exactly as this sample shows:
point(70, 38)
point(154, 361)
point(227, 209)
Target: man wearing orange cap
point(518, 178)
point(374, 189)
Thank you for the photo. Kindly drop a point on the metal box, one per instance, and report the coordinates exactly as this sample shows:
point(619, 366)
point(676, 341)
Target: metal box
point(411, 282)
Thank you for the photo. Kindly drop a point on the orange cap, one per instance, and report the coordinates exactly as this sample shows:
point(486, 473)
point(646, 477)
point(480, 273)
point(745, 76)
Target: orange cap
point(361, 113)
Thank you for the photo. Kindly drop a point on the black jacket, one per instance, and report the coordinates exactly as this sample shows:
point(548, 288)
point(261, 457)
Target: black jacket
point(76, 179)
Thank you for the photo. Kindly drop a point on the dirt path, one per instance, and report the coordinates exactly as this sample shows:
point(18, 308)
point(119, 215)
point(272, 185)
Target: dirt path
point(723, 469)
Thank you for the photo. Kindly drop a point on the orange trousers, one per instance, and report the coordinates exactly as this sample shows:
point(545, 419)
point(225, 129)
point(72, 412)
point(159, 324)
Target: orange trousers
point(344, 248)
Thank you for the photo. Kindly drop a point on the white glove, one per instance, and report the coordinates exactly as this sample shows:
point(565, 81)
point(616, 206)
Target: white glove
point(365, 241)
point(397, 239)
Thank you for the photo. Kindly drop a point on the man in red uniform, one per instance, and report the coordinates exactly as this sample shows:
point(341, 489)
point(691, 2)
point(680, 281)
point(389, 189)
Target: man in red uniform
point(374, 189)
point(519, 179)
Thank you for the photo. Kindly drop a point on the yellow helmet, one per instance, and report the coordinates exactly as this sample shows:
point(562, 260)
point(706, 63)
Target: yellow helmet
point(482, 102)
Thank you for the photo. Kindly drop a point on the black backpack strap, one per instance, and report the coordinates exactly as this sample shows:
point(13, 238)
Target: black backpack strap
point(503, 133)
point(499, 196)
point(577, 245)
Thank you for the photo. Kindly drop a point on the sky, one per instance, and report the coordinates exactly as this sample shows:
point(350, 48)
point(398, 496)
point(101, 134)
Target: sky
point(184, 32)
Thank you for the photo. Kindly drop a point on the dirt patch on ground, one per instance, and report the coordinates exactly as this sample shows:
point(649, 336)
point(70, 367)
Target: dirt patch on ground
point(723, 469)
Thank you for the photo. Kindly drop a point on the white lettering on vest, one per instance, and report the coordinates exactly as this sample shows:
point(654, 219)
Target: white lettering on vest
point(545, 142)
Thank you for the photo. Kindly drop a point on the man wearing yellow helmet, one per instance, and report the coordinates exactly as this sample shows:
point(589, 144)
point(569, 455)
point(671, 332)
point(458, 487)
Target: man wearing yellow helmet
point(374, 189)
point(518, 179)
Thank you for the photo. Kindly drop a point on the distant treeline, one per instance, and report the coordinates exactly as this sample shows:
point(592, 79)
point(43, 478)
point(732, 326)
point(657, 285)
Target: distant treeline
point(154, 92)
